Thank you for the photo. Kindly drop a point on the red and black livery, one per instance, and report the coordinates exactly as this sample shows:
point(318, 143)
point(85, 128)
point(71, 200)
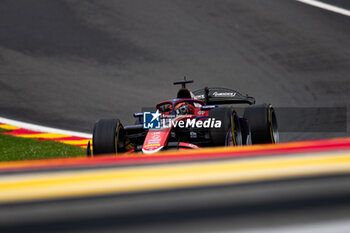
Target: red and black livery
point(256, 124)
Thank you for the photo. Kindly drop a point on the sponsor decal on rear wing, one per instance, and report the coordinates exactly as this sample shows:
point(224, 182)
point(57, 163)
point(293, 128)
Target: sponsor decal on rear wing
point(222, 96)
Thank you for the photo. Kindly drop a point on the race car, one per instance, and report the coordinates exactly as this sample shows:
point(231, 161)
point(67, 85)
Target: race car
point(192, 120)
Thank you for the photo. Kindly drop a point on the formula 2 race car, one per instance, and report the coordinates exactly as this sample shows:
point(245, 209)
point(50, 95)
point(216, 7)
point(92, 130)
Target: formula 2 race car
point(191, 120)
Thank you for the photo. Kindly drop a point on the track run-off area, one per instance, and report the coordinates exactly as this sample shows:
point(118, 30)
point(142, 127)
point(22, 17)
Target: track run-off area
point(27, 130)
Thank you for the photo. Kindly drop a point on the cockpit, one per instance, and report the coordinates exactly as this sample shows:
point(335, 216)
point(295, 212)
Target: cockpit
point(179, 106)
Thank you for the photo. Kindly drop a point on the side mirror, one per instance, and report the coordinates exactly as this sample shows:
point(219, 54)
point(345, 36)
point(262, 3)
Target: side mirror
point(138, 114)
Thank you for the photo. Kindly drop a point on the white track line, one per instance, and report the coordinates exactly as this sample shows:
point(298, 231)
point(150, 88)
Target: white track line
point(326, 6)
point(40, 128)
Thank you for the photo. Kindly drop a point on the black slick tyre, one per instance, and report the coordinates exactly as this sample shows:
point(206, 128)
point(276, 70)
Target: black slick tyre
point(108, 137)
point(263, 123)
point(230, 132)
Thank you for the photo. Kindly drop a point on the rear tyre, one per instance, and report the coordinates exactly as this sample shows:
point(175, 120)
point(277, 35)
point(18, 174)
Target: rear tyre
point(229, 134)
point(263, 123)
point(108, 137)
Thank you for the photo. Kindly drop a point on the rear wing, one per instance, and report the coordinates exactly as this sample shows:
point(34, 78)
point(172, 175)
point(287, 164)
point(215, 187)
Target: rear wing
point(216, 95)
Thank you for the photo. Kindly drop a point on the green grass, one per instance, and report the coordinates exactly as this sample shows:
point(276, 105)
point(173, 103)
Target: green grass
point(16, 148)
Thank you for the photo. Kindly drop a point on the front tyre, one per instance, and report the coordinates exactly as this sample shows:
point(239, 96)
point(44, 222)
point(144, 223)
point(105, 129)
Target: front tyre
point(108, 137)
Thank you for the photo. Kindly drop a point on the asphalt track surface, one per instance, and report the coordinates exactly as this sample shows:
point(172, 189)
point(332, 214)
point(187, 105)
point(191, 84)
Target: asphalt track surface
point(66, 64)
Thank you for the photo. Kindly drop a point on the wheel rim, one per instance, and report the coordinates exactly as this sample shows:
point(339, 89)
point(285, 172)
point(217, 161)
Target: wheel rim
point(273, 125)
point(233, 136)
point(116, 138)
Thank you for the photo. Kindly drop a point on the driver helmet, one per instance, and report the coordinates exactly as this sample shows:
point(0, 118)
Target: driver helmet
point(184, 108)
